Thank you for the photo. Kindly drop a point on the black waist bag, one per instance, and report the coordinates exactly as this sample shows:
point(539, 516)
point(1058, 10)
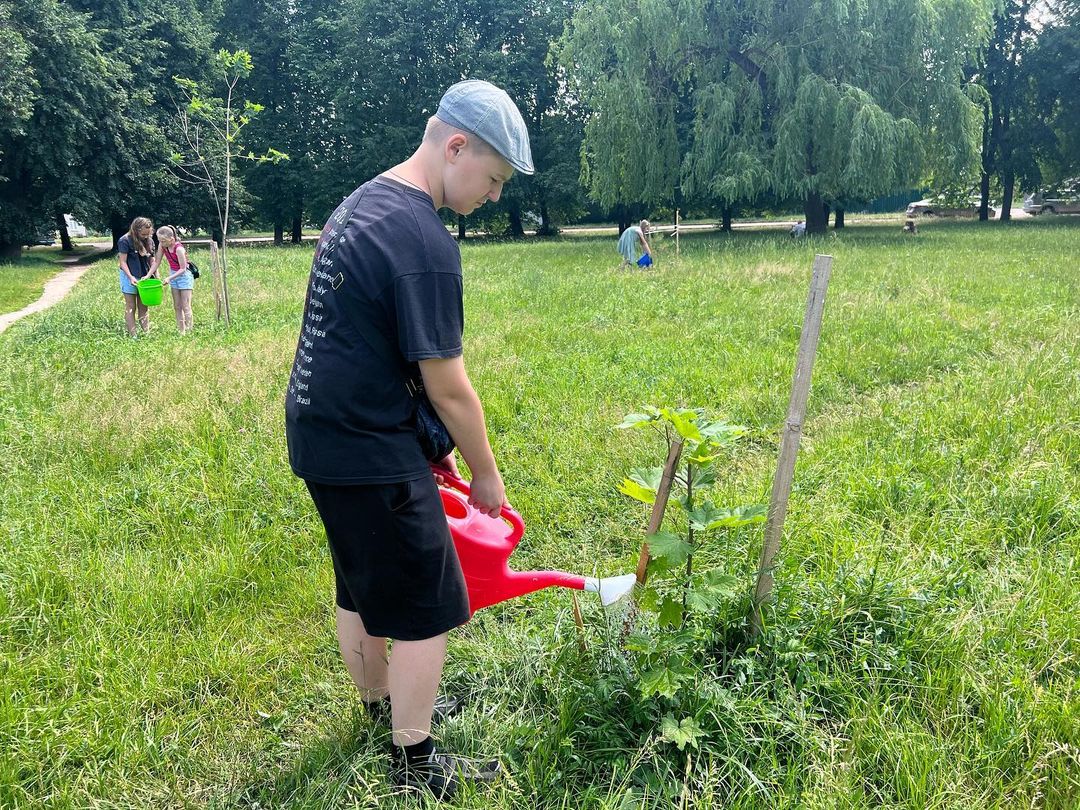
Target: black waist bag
point(436, 443)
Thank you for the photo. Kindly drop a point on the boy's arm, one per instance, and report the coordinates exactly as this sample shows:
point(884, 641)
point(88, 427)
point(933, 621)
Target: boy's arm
point(448, 387)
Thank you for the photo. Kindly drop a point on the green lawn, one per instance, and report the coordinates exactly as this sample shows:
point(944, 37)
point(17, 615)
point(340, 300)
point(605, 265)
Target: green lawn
point(22, 282)
point(166, 625)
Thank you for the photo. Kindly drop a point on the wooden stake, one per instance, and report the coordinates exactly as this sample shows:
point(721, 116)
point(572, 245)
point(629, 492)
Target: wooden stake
point(676, 231)
point(215, 282)
point(580, 622)
point(656, 517)
point(225, 286)
point(789, 444)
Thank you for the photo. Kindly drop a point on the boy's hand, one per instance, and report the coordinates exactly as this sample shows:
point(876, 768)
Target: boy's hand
point(450, 465)
point(488, 494)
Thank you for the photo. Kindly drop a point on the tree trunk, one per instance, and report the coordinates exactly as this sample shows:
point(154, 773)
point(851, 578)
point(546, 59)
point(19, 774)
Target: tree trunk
point(839, 219)
point(217, 236)
point(987, 164)
point(984, 196)
point(517, 229)
point(816, 214)
point(118, 229)
point(546, 226)
point(65, 237)
point(10, 251)
point(725, 215)
point(297, 231)
point(461, 228)
point(1008, 185)
point(279, 234)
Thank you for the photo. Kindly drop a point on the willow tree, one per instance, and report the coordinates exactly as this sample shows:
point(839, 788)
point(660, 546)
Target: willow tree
point(823, 102)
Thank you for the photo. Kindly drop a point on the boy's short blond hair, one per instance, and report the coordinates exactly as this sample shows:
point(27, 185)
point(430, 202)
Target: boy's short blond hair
point(437, 131)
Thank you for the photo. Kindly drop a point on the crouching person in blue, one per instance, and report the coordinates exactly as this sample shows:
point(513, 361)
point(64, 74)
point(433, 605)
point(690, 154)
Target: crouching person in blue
point(384, 309)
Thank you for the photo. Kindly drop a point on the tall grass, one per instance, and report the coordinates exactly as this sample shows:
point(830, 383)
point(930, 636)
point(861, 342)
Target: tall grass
point(166, 626)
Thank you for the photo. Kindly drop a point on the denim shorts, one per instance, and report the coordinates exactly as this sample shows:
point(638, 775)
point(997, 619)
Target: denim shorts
point(184, 281)
point(126, 287)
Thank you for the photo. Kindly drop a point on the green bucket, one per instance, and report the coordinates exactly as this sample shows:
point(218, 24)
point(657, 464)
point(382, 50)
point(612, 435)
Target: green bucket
point(150, 291)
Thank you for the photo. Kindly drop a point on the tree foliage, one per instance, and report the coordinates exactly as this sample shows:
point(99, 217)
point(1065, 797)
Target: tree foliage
point(824, 102)
point(1054, 64)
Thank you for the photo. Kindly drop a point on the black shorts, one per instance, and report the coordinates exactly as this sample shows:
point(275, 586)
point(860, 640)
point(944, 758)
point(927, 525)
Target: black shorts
point(394, 561)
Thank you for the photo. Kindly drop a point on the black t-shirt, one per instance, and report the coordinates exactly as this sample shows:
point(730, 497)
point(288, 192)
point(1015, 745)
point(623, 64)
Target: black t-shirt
point(393, 266)
point(138, 265)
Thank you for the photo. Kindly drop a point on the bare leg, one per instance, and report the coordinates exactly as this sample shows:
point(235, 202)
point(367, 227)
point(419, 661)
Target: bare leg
point(178, 308)
point(129, 313)
point(185, 300)
point(365, 656)
point(415, 672)
point(144, 315)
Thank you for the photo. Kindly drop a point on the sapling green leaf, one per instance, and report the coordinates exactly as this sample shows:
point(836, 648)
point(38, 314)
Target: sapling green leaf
point(636, 491)
point(705, 476)
point(639, 642)
point(739, 516)
point(649, 598)
point(669, 547)
point(682, 733)
point(670, 612)
point(635, 420)
point(708, 594)
point(683, 422)
point(648, 477)
point(703, 515)
point(722, 433)
point(703, 453)
point(663, 681)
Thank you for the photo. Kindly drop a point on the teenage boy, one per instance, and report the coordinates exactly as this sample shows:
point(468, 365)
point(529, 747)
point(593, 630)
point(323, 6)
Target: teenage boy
point(384, 303)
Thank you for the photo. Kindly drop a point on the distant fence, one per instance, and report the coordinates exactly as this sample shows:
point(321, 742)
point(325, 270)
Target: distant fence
point(890, 204)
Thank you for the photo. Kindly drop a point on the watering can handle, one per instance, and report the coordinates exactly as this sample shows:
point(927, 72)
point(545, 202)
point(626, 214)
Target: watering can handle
point(511, 516)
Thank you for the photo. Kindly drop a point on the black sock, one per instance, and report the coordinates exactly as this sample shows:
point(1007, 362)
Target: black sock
point(415, 754)
point(379, 709)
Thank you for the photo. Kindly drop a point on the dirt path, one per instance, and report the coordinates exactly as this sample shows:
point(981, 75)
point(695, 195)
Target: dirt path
point(55, 288)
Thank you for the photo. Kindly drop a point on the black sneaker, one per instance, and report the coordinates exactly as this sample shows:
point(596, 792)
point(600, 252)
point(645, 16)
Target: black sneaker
point(445, 707)
point(444, 774)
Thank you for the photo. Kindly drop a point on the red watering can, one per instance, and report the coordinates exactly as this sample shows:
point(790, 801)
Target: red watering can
point(484, 545)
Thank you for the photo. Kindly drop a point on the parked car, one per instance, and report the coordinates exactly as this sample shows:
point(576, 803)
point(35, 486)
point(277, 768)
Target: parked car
point(937, 207)
point(45, 239)
point(1038, 204)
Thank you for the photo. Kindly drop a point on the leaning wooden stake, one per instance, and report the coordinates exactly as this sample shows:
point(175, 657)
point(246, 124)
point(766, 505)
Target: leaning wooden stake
point(215, 283)
point(659, 507)
point(789, 445)
point(580, 622)
point(676, 231)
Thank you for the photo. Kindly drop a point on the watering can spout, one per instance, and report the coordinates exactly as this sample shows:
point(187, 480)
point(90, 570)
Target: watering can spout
point(484, 546)
point(611, 589)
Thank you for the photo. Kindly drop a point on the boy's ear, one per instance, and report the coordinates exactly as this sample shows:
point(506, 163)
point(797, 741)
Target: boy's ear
point(455, 144)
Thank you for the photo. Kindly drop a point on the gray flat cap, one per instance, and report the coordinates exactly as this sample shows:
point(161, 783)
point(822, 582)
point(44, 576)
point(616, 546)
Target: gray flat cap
point(487, 111)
